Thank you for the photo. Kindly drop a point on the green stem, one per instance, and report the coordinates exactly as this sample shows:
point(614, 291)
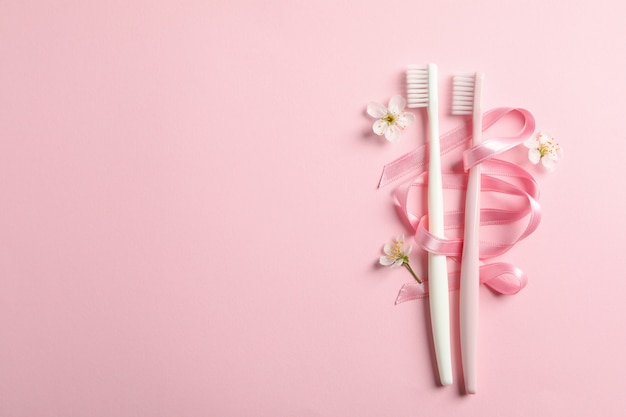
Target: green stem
point(412, 272)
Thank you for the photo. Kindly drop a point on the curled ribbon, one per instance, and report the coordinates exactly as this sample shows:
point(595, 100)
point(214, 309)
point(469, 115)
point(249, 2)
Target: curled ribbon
point(497, 176)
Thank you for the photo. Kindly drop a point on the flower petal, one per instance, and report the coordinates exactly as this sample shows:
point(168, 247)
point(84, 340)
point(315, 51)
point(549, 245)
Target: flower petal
point(398, 263)
point(544, 137)
point(375, 109)
point(559, 152)
point(531, 143)
point(408, 250)
point(384, 260)
point(387, 248)
point(534, 155)
point(549, 163)
point(397, 104)
point(405, 119)
point(393, 133)
point(380, 127)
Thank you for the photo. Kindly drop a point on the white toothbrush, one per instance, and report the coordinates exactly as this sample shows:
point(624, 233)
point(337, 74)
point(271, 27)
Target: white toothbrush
point(466, 92)
point(422, 92)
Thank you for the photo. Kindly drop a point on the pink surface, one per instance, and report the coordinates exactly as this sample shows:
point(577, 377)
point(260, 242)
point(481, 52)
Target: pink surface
point(190, 225)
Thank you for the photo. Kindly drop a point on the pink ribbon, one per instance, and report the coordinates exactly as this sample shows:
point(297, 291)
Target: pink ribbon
point(512, 182)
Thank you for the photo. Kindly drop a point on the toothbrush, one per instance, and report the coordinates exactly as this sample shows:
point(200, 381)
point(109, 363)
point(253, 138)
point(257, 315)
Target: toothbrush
point(422, 92)
point(466, 92)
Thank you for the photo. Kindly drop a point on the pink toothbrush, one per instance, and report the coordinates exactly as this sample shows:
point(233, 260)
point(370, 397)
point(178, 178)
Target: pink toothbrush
point(466, 101)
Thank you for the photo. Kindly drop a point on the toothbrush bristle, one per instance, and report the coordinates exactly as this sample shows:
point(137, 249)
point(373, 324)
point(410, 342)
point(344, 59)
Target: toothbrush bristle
point(417, 86)
point(463, 93)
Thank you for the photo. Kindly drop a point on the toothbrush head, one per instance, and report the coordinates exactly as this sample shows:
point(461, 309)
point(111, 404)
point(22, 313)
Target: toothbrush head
point(420, 81)
point(465, 93)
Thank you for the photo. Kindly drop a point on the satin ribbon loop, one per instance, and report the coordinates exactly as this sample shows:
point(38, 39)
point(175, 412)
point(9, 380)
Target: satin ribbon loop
point(492, 147)
point(528, 209)
point(503, 277)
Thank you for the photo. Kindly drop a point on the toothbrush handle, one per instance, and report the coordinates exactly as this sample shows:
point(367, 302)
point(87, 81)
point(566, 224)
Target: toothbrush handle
point(440, 315)
point(438, 274)
point(437, 265)
point(468, 302)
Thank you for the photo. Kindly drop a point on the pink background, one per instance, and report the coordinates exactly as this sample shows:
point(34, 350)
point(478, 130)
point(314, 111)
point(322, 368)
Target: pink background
point(190, 225)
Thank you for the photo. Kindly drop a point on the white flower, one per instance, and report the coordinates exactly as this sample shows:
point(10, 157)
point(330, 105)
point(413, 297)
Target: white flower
point(396, 256)
point(545, 149)
point(391, 121)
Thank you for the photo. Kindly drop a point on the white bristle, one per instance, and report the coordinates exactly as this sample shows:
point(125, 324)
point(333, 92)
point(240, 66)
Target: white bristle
point(463, 93)
point(417, 86)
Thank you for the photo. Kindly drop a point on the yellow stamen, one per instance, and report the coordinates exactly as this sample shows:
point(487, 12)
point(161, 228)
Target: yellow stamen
point(396, 250)
point(390, 118)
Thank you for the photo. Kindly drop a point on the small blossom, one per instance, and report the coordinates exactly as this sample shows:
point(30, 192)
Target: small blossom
point(391, 121)
point(545, 149)
point(396, 256)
